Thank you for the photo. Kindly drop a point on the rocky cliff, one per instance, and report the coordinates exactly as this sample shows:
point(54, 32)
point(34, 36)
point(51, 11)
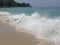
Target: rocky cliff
point(12, 3)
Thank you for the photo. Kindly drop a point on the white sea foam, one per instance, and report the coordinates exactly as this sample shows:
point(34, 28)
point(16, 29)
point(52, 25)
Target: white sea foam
point(41, 26)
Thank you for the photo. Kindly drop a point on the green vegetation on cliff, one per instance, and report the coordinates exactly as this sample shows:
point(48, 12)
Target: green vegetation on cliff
point(12, 3)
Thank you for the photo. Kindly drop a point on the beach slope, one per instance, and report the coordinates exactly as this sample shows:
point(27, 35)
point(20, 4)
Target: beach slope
point(9, 36)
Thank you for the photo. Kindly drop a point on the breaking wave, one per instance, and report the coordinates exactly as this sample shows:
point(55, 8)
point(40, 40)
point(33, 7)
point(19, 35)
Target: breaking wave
point(41, 26)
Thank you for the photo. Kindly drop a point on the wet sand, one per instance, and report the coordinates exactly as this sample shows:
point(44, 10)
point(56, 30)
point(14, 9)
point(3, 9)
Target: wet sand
point(8, 36)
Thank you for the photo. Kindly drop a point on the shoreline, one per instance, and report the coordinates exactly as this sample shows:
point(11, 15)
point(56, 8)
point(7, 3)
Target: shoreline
point(8, 36)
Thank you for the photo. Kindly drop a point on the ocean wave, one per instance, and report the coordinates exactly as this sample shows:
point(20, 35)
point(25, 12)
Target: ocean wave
point(41, 26)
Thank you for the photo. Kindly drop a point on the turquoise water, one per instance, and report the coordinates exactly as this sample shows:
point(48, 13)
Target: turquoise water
point(50, 11)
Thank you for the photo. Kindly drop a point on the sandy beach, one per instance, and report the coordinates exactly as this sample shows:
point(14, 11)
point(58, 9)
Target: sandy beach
point(8, 36)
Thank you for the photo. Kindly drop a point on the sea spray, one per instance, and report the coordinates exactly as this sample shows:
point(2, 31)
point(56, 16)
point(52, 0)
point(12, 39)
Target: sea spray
point(41, 26)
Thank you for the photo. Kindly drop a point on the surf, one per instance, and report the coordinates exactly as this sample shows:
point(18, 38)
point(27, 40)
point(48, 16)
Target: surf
point(40, 26)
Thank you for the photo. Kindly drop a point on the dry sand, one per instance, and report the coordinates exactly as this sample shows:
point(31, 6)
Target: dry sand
point(8, 36)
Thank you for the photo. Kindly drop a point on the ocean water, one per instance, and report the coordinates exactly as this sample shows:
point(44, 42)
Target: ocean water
point(43, 22)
